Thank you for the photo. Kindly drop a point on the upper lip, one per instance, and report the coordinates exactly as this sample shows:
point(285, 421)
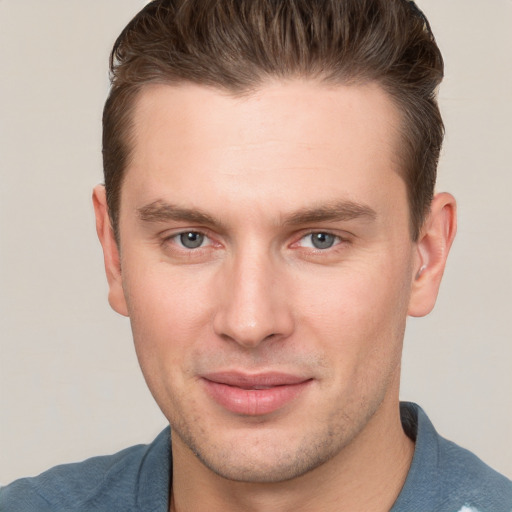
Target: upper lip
point(254, 380)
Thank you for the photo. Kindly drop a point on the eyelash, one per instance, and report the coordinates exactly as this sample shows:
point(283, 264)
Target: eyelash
point(337, 240)
point(175, 239)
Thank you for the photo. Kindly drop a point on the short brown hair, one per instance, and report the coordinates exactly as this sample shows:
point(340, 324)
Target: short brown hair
point(236, 45)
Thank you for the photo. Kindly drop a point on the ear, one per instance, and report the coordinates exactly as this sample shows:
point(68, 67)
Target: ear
point(110, 251)
point(432, 250)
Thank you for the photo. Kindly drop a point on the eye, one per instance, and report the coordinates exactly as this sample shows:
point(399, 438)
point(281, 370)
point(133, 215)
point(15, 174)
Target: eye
point(190, 239)
point(319, 240)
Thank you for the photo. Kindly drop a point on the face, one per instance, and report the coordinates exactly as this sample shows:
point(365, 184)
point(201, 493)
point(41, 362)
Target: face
point(266, 267)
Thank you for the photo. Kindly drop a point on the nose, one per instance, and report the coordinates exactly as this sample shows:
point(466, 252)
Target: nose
point(253, 305)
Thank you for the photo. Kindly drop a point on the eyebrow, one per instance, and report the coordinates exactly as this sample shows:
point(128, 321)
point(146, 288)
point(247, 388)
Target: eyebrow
point(332, 212)
point(162, 211)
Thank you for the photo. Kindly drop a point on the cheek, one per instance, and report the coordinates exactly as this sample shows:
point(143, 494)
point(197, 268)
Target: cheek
point(361, 309)
point(165, 299)
point(169, 314)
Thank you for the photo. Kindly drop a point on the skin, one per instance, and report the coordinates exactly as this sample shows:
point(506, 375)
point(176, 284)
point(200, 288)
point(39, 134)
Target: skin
point(256, 176)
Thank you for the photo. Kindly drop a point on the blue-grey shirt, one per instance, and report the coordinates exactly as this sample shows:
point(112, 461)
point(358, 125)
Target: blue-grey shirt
point(443, 478)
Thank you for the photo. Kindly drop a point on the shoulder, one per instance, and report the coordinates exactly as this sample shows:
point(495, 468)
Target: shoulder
point(467, 478)
point(136, 476)
point(446, 477)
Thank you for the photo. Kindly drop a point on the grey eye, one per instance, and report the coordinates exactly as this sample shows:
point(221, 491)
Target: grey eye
point(191, 239)
point(322, 240)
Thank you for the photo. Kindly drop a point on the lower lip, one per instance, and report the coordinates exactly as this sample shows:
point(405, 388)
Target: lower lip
point(254, 402)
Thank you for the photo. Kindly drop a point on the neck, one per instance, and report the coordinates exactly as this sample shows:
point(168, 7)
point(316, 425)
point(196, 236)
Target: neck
point(367, 474)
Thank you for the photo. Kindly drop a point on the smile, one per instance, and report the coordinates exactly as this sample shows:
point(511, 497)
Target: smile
point(254, 395)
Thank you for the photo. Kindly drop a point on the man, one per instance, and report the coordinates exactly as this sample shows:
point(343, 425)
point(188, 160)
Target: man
point(268, 222)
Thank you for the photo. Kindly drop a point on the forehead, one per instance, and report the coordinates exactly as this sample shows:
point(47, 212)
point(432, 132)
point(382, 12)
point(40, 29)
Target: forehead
point(282, 140)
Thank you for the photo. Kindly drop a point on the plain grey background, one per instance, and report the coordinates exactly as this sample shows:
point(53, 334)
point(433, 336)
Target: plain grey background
point(70, 386)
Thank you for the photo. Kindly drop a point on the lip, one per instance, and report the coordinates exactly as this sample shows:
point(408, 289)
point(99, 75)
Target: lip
point(254, 394)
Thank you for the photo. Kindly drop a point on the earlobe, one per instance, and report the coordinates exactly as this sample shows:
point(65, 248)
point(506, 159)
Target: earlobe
point(432, 251)
point(110, 251)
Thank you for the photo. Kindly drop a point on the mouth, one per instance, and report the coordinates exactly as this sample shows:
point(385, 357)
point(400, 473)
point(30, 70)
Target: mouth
point(254, 395)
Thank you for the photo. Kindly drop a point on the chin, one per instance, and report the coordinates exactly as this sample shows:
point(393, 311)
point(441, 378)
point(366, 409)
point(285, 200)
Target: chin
point(273, 468)
point(265, 457)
